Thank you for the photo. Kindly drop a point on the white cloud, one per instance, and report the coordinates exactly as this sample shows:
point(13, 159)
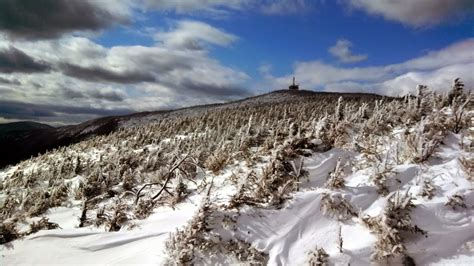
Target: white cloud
point(342, 50)
point(284, 7)
point(436, 69)
point(189, 34)
point(457, 53)
point(88, 75)
point(188, 6)
point(220, 8)
point(317, 74)
point(438, 79)
point(416, 12)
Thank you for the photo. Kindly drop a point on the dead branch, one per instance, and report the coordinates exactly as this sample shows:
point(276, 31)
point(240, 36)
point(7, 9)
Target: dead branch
point(168, 177)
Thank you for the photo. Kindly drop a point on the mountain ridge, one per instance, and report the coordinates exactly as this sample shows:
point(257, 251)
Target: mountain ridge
point(26, 143)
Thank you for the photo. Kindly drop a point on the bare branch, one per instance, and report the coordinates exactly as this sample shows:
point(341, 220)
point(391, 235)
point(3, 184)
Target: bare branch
point(168, 177)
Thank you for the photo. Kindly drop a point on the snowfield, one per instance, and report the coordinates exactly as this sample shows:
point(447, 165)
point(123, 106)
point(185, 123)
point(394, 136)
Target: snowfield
point(371, 182)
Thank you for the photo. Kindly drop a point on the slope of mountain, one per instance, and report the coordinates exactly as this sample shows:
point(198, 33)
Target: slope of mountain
point(299, 180)
point(25, 139)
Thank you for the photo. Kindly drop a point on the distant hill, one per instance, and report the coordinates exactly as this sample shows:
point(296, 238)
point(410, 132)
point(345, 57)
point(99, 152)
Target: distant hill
point(21, 140)
point(9, 128)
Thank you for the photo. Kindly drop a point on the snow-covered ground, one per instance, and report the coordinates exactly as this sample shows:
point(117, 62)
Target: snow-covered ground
point(287, 234)
point(321, 180)
point(290, 233)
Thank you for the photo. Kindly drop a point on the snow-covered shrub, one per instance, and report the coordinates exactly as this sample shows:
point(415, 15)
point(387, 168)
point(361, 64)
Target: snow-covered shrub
point(118, 217)
point(244, 193)
point(42, 224)
point(428, 190)
point(8, 206)
point(468, 165)
point(390, 225)
point(93, 186)
point(336, 207)
point(8, 232)
point(318, 257)
point(379, 120)
point(180, 192)
point(422, 143)
point(217, 161)
point(182, 244)
point(36, 203)
point(83, 221)
point(377, 157)
point(380, 179)
point(456, 91)
point(339, 114)
point(298, 172)
point(272, 186)
point(244, 252)
point(460, 118)
point(128, 180)
point(456, 200)
point(423, 100)
point(281, 194)
point(144, 208)
point(336, 177)
point(331, 129)
point(114, 217)
point(59, 194)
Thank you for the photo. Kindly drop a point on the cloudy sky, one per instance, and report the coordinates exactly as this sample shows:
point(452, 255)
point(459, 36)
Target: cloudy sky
point(66, 61)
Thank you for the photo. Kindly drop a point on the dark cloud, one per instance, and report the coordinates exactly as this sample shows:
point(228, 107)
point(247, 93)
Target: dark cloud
point(14, 60)
point(42, 19)
point(9, 109)
point(73, 94)
point(99, 74)
point(201, 88)
point(112, 96)
point(29, 111)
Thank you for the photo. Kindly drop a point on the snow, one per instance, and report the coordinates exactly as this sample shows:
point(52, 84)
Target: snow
point(287, 234)
point(290, 233)
point(71, 245)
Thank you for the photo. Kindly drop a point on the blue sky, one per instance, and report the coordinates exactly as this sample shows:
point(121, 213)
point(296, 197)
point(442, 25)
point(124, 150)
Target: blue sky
point(100, 59)
point(282, 39)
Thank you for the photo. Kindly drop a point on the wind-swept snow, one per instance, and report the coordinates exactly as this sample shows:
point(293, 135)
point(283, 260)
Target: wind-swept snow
point(70, 245)
point(290, 233)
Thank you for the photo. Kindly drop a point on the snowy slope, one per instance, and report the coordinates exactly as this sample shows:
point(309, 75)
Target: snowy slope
point(287, 234)
point(269, 189)
point(30, 143)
